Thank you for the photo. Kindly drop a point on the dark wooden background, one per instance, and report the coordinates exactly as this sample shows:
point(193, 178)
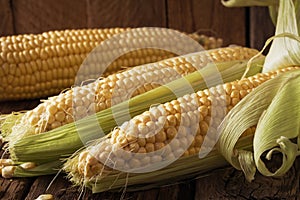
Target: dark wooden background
point(243, 26)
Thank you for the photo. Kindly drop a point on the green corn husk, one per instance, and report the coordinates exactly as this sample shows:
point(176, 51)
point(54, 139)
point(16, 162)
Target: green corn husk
point(275, 128)
point(182, 169)
point(40, 170)
point(7, 122)
point(275, 107)
point(62, 142)
point(285, 47)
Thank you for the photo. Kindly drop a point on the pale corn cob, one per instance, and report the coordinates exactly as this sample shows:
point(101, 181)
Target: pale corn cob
point(208, 42)
point(35, 66)
point(94, 97)
point(168, 131)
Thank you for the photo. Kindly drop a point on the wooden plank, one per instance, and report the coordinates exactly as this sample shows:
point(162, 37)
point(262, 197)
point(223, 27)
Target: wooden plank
point(63, 190)
point(58, 188)
point(6, 18)
point(208, 16)
point(146, 194)
point(187, 190)
point(31, 16)
point(182, 190)
point(231, 184)
point(127, 13)
point(10, 106)
point(38, 187)
point(14, 189)
point(168, 192)
point(261, 26)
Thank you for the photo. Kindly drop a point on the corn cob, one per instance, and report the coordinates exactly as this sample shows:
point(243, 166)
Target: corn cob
point(208, 42)
point(102, 94)
point(165, 132)
point(35, 66)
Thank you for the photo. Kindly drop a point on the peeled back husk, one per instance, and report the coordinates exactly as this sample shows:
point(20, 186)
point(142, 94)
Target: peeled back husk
point(275, 107)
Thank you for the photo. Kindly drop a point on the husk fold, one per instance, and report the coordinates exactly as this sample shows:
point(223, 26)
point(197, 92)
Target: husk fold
point(285, 48)
point(275, 107)
point(278, 124)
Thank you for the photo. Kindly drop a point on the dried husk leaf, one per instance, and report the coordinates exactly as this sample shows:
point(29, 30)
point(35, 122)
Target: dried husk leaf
point(247, 114)
point(7, 122)
point(285, 48)
point(279, 123)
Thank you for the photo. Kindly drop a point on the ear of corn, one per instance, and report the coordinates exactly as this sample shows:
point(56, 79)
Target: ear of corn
point(86, 100)
point(185, 168)
point(40, 65)
point(63, 141)
point(208, 42)
point(180, 128)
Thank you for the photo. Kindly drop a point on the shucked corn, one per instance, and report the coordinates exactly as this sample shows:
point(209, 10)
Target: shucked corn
point(94, 97)
point(35, 66)
point(166, 131)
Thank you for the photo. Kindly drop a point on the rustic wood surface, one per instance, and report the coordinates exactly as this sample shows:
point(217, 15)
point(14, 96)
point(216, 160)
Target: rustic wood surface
point(243, 26)
point(260, 27)
point(32, 16)
point(6, 18)
point(226, 183)
point(209, 17)
point(130, 13)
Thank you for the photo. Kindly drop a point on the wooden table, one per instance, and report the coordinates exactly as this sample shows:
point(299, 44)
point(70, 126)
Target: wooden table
point(226, 183)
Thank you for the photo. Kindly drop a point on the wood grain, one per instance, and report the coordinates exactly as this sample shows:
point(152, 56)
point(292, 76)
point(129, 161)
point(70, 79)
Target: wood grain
point(261, 27)
point(230, 184)
point(14, 189)
point(10, 106)
point(6, 18)
point(32, 16)
point(208, 16)
point(127, 13)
